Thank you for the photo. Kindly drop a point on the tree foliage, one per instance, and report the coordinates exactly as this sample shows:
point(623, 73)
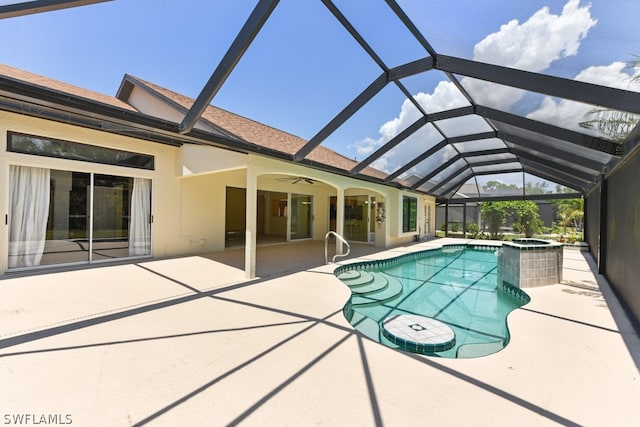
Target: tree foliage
point(494, 215)
point(490, 186)
point(526, 212)
point(528, 216)
point(571, 212)
point(531, 187)
point(613, 124)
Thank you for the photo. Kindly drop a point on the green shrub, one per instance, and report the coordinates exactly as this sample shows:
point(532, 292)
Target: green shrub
point(473, 228)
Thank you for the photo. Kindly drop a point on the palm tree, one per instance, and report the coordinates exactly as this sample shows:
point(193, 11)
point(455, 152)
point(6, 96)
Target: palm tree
point(614, 124)
point(571, 212)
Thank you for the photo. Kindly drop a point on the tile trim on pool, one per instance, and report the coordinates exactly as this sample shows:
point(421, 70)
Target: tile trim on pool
point(413, 256)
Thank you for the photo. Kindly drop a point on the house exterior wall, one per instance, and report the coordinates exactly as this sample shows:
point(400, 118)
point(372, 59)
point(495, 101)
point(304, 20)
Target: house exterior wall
point(165, 186)
point(197, 160)
point(203, 211)
point(189, 186)
point(147, 103)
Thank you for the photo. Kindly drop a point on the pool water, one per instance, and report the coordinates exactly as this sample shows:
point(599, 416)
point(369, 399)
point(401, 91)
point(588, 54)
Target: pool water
point(457, 286)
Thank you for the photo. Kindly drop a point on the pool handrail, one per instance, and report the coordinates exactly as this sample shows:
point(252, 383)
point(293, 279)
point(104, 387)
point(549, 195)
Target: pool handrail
point(326, 243)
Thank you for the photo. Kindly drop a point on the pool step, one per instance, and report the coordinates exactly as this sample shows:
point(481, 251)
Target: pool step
point(392, 290)
point(356, 278)
point(377, 284)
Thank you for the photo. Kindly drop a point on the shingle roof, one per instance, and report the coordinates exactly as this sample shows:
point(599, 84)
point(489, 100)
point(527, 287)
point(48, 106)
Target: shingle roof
point(243, 128)
point(56, 85)
point(259, 133)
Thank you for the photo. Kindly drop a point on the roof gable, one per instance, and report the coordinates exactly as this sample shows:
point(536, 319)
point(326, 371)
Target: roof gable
point(247, 129)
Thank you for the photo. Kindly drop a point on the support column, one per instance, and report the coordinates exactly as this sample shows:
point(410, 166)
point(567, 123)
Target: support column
point(602, 241)
point(339, 219)
point(251, 223)
point(464, 220)
point(585, 232)
point(5, 190)
point(446, 219)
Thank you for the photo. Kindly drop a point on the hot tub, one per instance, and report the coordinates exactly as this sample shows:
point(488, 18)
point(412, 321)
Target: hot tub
point(527, 263)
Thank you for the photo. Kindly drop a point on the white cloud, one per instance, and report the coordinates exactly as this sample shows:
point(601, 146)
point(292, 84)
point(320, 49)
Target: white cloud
point(569, 114)
point(532, 45)
point(608, 75)
point(444, 97)
point(536, 43)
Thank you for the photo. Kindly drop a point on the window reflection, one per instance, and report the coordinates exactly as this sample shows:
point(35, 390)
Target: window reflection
point(65, 217)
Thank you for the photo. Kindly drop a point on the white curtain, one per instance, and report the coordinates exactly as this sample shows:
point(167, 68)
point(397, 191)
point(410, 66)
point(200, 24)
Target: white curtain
point(29, 211)
point(140, 227)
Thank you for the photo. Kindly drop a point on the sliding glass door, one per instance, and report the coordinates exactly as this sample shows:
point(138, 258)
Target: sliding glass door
point(356, 218)
point(301, 216)
point(68, 227)
point(66, 217)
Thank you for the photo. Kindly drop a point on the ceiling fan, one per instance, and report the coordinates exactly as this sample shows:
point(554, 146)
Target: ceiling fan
point(296, 179)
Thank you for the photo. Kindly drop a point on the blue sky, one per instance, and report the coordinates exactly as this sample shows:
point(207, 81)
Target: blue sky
point(303, 68)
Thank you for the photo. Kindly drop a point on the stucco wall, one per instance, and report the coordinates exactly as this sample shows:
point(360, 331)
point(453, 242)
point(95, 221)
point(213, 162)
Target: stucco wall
point(202, 212)
point(165, 185)
point(189, 186)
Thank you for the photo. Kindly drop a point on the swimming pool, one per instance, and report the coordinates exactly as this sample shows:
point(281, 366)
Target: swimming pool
point(443, 302)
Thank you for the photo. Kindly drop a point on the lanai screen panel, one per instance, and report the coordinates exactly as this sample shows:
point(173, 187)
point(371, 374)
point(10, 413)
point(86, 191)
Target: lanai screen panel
point(506, 184)
point(366, 134)
point(502, 157)
point(467, 125)
point(529, 140)
point(371, 126)
point(479, 145)
point(446, 175)
point(399, 49)
point(275, 70)
point(420, 141)
point(448, 191)
point(434, 92)
point(495, 168)
point(583, 170)
point(366, 43)
point(431, 163)
point(535, 185)
point(468, 190)
point(500, 97)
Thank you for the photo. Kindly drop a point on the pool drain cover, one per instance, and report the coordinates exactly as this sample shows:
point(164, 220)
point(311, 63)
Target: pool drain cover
point(418, 334)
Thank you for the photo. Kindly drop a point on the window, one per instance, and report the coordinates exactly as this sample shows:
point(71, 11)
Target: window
point(65, 217)
point(26, 144)
point(409, 213)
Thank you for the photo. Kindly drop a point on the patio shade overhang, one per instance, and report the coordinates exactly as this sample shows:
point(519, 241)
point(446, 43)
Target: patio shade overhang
point(564, 156)
point(507, 142)
point(39, 6)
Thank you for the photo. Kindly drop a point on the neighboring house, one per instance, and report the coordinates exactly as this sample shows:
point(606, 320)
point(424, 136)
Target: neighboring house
point(89, 178)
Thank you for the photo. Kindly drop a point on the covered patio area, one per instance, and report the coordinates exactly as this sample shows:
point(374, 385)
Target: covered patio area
point(190, 341)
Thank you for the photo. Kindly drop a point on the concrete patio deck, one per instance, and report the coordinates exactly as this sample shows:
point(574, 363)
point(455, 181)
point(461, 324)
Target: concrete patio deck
point(189, 341)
